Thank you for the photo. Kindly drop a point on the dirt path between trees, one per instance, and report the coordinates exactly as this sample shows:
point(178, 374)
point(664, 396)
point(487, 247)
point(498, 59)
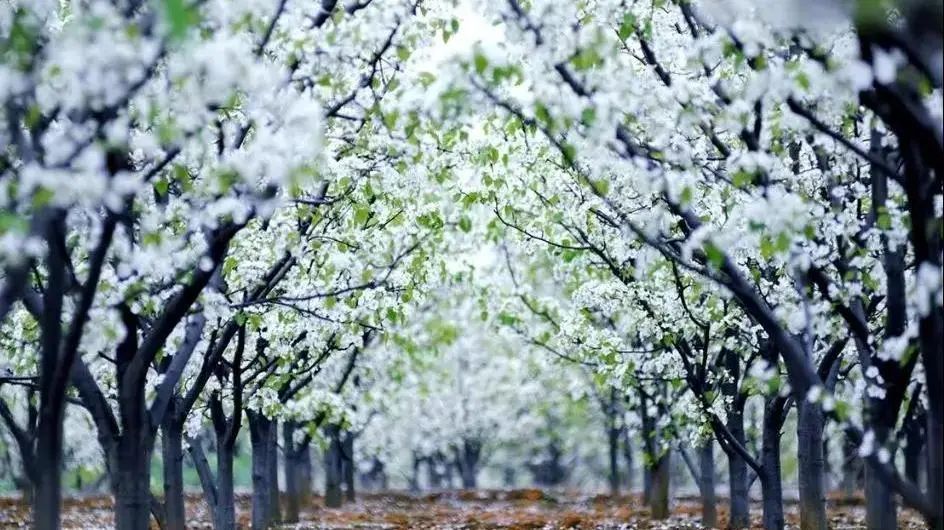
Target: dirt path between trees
point(463, 510)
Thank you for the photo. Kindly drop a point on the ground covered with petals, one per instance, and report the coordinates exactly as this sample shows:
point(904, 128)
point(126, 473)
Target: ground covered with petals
point(464, 510)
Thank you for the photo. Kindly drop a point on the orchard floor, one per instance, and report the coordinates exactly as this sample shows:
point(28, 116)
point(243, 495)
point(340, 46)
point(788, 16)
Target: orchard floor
point(464, 510)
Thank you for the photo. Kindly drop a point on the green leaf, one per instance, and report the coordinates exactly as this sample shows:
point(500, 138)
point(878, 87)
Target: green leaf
point(586, 59)
point(884, 220)
point(430, 220)
point(742, 178)
point(714, 254)
point(465, 224)
point(361, 215)
point(390, 119)
point(229, 264)
point(507, 318)
point(783, 242)
point(628, 26)
point(9, 221)
point(181, 16)
point(803, 80)
point(42, 197)
point(160, 187)
point(481, 63)
point(543, 115)
point(602, 186)
point(569, 152)
point(766, 247)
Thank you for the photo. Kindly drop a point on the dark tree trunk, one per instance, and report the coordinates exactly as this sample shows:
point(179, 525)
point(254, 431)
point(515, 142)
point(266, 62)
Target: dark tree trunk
point(810, 466)
point(740, 508)
point(435, 468)
point(935, 464)
point(647, 483)
point(880, 508)
point(706, 485)
point(737, 477)
point(770, 479)
point(305, 474)
point(46, 515)
point(414, 475)
point(332, 464)
point(914, 443)
point(175, 514)
point(649, 443)
point(132, 482)
point(224, 513)
point(467, 461)
point(613, 433)
point(273, 465)
point(628, 459)
point(295, 464)
point(347, 466)
point(261, 436)
point(659, 496)
point(851, 468)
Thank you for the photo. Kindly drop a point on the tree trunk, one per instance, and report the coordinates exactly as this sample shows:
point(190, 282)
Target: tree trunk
point(851, 468)
point(934, 449)
point(628, 459)
point(740, 507)
point(172, 455)
point(649, 443)
point(293, 473)
point(613, 433)
point(332, 464)
point(810, 466)
point(261, 430)
point(303, 461)
point(737, 477)
point(273, 465)
point(132, 482)
point(647, 483)
point(414, 479)
point(467, 461)
point(914, 442)
point(659, 495)
point(880, 508)
point(224, 513)
point(770, 480)
point(347, 466)
point(46, 502)
point(706, 485)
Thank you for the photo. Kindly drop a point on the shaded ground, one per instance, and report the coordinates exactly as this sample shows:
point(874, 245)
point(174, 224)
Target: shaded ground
point(464, 510)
